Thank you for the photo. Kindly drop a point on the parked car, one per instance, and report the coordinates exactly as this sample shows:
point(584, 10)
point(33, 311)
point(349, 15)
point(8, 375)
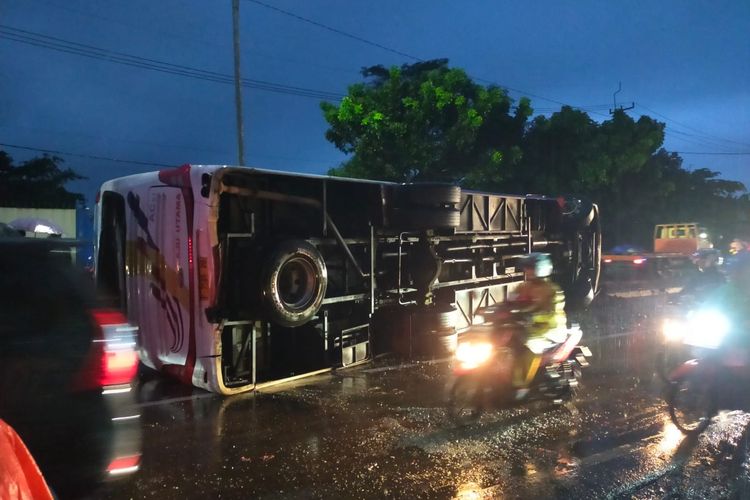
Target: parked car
point(66, 369)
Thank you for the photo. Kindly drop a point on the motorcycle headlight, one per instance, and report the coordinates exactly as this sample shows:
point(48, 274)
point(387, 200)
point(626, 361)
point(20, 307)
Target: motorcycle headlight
point(707, 328)
point(673, 330)
point(473, 354)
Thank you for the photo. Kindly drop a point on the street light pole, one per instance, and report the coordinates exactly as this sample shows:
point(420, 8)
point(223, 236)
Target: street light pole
point(237, 86)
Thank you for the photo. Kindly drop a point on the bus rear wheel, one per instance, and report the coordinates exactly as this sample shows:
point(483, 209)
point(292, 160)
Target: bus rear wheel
point(294, 283)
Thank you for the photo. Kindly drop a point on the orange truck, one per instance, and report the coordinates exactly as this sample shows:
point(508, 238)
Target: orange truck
point(674, 244)
point(680, 238)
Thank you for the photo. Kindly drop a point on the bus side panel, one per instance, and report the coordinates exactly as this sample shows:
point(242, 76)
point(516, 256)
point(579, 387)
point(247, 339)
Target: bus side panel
point(207, 338)
point(158, 285)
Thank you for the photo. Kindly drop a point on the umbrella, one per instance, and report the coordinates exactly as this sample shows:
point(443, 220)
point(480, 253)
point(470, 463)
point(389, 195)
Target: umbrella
point(36, 225)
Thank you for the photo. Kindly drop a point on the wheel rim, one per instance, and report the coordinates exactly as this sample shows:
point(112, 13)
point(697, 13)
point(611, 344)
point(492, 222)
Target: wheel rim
point(297, 282)
point(691, 405)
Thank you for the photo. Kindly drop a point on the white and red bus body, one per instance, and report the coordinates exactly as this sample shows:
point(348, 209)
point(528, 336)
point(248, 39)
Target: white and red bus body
point(236, 276)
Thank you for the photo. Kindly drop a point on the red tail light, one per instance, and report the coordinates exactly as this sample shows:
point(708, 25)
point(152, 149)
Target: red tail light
point(124, 465)
point(119, 367)
point(112, 359)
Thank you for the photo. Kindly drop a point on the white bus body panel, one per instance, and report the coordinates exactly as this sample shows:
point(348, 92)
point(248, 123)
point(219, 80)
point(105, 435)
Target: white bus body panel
point(169, 272)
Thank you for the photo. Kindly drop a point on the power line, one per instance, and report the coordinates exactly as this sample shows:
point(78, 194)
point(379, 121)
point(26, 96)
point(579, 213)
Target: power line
point(380, 46)
point(156, 164)
point(197, 41)
point(92, 52)
point(61, 45)
point(90, 157)
point(336, 30)
point(729, 153)
point(705, 134)
point(404, 54)
point(677, 135)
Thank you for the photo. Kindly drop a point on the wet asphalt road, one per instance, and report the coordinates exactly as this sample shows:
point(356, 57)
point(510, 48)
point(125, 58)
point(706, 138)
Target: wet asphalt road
point(382, 431)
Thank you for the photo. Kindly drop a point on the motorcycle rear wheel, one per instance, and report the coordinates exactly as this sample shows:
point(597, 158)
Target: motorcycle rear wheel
point(465, 402)
point(692, 405)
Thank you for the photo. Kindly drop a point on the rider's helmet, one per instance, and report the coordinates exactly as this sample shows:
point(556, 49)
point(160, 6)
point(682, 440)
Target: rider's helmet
point(538, 263)
point(706, 258)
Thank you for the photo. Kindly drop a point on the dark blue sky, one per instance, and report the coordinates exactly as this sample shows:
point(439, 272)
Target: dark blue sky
point(687, 61)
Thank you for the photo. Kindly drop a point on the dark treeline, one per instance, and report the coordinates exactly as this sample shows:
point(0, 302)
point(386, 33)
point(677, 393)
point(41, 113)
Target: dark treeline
point(36, 183)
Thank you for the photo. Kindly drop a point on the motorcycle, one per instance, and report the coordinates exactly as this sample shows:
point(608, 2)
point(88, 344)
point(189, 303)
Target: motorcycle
point(672, 352)
point(693, 389)
point(484, 362)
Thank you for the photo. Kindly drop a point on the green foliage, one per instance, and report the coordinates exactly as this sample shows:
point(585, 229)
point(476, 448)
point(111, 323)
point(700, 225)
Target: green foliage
point(425, 121)
point(39, 182)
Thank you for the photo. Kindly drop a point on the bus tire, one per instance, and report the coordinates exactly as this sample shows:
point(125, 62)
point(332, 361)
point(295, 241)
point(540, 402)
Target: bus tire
point(581, 293)
point(294, 283)
point(579, 215)
point(437, 318)
point(431, 194)
point(421, 218)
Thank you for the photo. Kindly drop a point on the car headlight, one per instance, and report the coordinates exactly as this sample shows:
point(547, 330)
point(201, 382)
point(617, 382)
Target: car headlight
point(673, 330)
point(707, 328)
point(473, 354)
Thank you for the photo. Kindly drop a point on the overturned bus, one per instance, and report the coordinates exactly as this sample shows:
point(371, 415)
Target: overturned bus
point(241, 276)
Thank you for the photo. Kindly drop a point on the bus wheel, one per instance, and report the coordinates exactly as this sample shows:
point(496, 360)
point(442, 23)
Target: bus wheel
point(422, 218)
point(431, 194)
point(294, 283)
point(577, 214)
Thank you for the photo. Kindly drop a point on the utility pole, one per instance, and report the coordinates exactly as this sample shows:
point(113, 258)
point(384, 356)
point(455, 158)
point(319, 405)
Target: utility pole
point(237, 86)
point(614, 99)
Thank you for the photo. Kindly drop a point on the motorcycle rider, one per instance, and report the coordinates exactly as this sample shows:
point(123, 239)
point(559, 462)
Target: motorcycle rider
point(734, 299)
point(542, 303)
point(707, 276)
point(737, 246)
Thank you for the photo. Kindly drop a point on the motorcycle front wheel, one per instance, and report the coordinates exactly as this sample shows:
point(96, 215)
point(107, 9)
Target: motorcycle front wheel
point(666, 361)
point(465, 402)
point(692, 404)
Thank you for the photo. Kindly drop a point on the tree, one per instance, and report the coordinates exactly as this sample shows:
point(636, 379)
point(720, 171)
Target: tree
point(38, 182)
point(561, 154)
point(610, 163)
point(426, 121)
point(621, 165)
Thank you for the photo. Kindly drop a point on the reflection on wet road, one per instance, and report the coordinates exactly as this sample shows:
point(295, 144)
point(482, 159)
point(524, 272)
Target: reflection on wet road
point(382, 431)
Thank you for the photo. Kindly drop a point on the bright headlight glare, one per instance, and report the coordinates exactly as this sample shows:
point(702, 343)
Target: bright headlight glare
point(473, 354)
point(707, 328)
point(673, 330)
